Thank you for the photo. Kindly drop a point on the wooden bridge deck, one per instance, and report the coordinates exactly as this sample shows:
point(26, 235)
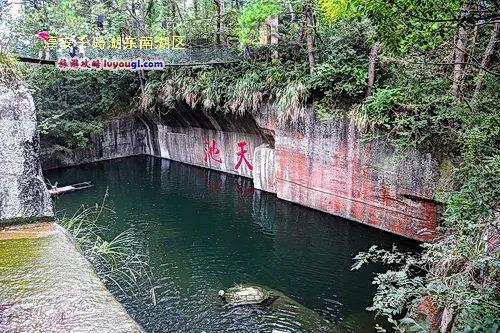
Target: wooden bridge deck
point(37, 61)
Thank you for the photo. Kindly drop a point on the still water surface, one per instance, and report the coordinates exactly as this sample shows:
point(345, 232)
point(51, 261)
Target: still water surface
point(205, 231)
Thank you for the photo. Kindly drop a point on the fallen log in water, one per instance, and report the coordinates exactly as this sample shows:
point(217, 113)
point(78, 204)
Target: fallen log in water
point(70, 188)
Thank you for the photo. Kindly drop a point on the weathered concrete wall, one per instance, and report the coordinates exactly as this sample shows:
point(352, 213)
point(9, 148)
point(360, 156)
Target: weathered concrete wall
point(321, 164)
point(217, 150)
point(122, 137)
point(325, 165)
point(45, 274)
point(264, 177)
point(23, 193)
point(209, 140)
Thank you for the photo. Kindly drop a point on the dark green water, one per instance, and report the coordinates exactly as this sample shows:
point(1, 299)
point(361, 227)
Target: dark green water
point(206, 231)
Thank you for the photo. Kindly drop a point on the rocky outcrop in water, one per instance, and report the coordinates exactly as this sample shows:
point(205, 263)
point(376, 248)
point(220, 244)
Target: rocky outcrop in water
point(23, 194)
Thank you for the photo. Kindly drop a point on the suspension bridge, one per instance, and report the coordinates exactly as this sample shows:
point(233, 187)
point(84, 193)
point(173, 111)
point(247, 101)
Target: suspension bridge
point(189, 56)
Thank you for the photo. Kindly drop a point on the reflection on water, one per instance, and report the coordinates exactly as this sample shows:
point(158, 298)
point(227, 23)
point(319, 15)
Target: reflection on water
point(205, 231)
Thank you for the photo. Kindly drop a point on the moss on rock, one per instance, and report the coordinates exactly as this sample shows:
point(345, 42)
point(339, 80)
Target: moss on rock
point(25, 220)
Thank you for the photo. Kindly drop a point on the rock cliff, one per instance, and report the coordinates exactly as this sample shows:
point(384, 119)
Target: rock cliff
point(319, 164)
point(23, 194)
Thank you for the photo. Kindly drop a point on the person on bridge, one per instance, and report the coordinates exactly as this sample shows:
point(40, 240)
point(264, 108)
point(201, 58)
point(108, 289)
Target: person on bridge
point(44, 38)
point(76, 47)
point(73, 45)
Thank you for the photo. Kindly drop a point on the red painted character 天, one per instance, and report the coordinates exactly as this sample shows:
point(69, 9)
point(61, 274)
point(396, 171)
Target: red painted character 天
point(211, 151)
point(242, 156)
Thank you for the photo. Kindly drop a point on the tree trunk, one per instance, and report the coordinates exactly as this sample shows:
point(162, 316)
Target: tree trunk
point(220, 23)
point(142, 32)
point(471, 57)
point(302, 25)
point(459, 67)
point(371, 68)
point(272, 33)
point(221, 19)
point(310, 42)
point(292, 13)
point(142, 24)
point(195, 7)
point(490, 49)
point(217, 38)
point(181, 18)
point(292, 18)
point(273, 22)
point(447, 320)
point(172, 26)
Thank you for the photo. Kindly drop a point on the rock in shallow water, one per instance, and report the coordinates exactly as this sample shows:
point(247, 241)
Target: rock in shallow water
point(245, 295)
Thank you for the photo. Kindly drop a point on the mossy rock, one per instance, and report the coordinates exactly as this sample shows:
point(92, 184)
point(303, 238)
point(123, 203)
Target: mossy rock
point(25, 220)
point(246, 295)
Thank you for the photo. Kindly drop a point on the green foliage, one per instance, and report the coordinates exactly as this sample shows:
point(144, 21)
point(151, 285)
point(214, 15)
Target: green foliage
point(291, 99)
point(69, 103)
point(410, 325)
point(417, 109)
point(340, 77)
point(121, 262)
point(462, 268)
point(237, 89)
point(420, 24)
point(252, 16)
point(480, 135)
point(336, 10)
point(9, 68)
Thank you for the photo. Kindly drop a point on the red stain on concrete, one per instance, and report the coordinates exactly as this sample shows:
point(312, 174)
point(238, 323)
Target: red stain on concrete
point(346, 185)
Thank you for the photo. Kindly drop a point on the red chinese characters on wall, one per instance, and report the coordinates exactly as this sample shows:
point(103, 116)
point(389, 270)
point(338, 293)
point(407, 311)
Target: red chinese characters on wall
point(241, 155)
point(211, 151)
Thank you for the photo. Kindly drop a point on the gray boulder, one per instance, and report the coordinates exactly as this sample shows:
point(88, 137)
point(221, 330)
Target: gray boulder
point(23, 194)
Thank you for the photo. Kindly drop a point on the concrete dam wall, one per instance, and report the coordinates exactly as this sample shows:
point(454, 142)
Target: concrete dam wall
point(319, 164)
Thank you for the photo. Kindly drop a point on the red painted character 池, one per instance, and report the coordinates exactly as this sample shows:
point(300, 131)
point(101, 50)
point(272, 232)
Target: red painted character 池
point(211, 151)
point(242, 156)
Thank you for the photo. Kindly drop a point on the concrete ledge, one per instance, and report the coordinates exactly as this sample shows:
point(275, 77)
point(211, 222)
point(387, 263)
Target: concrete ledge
point(46, 285)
